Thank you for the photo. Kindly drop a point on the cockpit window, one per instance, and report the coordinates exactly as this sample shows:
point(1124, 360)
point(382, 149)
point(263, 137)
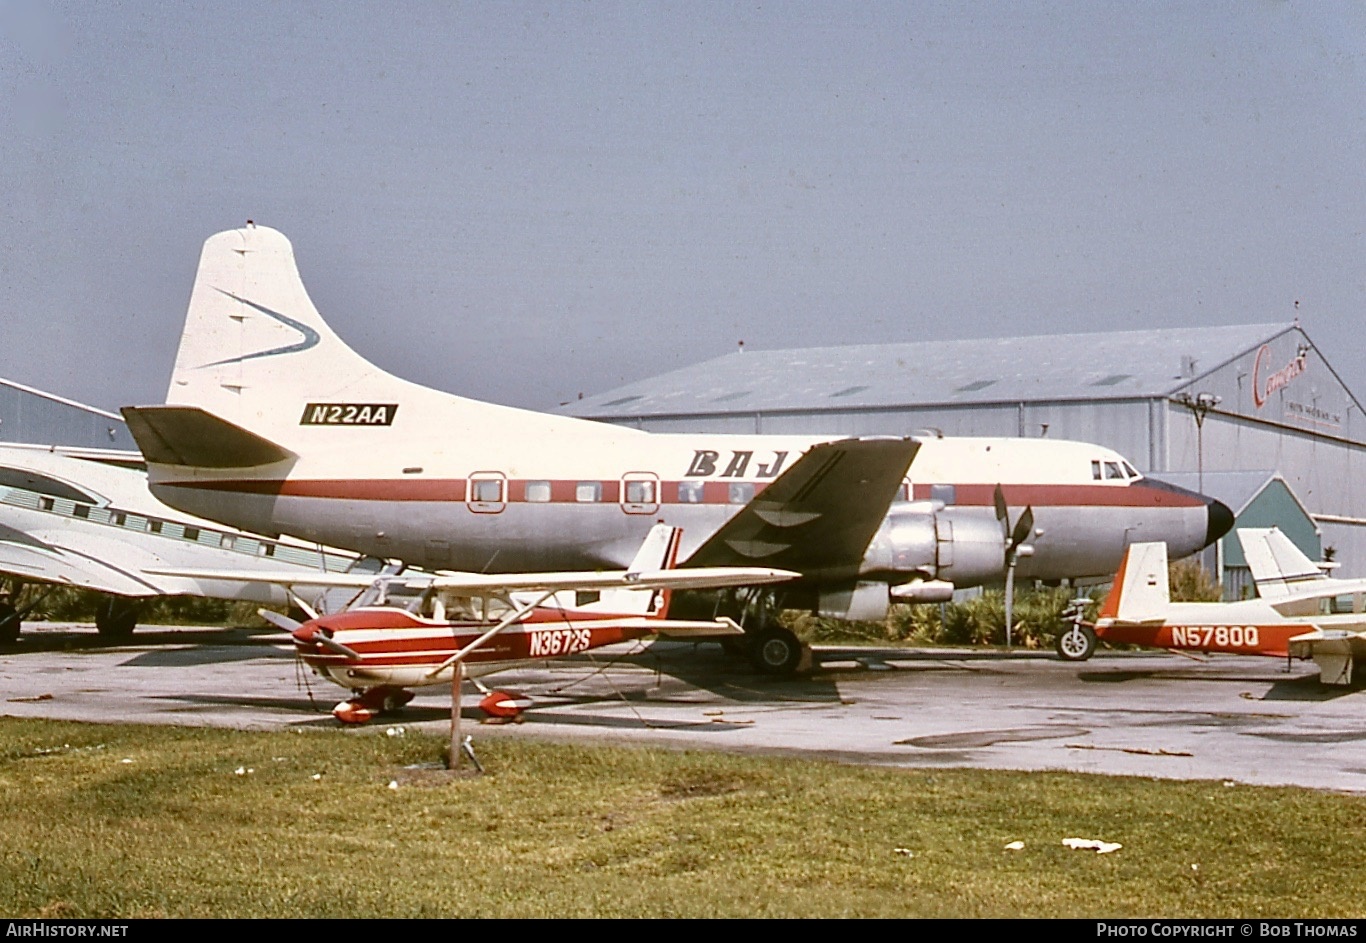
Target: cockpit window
point(1133, 473)
point(29, 481)
point(1112, 470)
point(1095, 470)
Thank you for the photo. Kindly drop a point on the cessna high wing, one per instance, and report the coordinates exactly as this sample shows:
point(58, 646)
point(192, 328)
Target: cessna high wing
point(66, 521)
point(272, 423)
point(411, 630)
point(1320, 618)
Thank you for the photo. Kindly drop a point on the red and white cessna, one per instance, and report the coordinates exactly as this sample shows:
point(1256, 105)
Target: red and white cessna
point(273, 424)
point(1301, 613)
point(411, 630)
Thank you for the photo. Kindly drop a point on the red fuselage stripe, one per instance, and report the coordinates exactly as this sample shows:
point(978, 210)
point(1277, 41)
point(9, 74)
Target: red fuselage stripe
point(712, 492)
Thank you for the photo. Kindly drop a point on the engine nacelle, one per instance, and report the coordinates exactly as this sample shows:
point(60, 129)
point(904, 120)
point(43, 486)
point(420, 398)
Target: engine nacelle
point(925, 540)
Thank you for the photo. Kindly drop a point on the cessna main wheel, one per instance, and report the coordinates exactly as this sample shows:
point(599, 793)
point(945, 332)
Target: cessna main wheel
point(775, 651)
point(1076, 643)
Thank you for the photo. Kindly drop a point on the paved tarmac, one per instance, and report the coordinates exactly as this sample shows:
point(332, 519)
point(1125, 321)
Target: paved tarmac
point(1154, 714)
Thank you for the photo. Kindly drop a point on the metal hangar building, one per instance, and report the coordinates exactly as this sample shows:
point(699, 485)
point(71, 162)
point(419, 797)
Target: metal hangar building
point(1253, 409)
point(32, 417)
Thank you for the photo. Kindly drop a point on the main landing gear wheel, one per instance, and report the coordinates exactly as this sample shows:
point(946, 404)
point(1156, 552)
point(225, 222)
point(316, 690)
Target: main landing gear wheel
point(1077, 643)
point(775, 651)
point(116, 617)
point(9, 624)
point(367, 705)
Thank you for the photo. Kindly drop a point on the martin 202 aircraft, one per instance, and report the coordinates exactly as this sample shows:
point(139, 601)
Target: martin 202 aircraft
point(72, 521)
point(411, 630)
point(273, 424)
point(1299, 615)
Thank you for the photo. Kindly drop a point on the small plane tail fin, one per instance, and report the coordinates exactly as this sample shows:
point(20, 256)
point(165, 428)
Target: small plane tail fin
point(1278, 566)
point(659, 551)
point(1141, 592)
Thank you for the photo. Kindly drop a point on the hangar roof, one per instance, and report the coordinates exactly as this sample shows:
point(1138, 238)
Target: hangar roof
point(1112, 365)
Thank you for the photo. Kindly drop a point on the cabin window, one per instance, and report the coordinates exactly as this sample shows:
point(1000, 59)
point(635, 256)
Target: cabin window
point(488, 490)
point(1095, 470)
point(228, 542)
point(690, 492)
point(537, 492)
point(192, 533)
point(740, 492)
point(154, 526)
point(586, 492)
point(640, 492)
point(81, 510)
point(46, 504)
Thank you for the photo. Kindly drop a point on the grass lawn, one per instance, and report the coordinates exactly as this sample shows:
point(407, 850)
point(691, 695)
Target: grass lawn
point(128, 821)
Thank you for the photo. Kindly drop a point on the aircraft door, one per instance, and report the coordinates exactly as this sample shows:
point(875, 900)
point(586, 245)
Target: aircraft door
point(640, 493)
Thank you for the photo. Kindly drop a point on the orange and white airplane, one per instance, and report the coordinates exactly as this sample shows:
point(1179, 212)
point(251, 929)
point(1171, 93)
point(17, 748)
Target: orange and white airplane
point(412, 629)
point(274, 424)
point(1298, 615)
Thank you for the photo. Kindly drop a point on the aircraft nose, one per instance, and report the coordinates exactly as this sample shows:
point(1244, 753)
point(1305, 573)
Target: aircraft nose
point(1220, 520)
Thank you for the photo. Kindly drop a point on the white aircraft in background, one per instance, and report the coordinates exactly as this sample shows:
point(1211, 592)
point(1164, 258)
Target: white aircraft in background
point(273, 424)
point(411, 630)
point(67, 521)
point(1299, 616)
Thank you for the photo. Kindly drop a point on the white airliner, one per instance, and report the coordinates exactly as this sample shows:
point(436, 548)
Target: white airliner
point(67, 521)
point(274, 424)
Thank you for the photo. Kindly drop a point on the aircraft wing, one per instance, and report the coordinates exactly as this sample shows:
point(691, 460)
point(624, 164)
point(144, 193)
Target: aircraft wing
point(288, 578)
point(1334, 650)
point(696, 578)
point(819, 516)
point(78, 560)
point(708, 578)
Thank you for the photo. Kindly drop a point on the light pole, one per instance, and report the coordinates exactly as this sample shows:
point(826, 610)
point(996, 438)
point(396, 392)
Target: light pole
point(1200, 404)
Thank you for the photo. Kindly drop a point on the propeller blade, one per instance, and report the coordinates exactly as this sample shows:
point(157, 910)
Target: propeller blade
point(1023, 527)
point(1001, 512)
point(279, 621)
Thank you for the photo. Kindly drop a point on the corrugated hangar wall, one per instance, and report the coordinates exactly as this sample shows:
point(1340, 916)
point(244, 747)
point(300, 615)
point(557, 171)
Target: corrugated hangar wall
point(1264, 397)
point(34, 417)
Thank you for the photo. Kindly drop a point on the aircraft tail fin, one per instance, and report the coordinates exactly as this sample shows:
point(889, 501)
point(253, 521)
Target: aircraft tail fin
point(1278, 566)
point(256, 352)
point(1141, 592)
point(659, 551)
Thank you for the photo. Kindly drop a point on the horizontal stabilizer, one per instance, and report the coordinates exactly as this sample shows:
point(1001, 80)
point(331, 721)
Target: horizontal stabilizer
point(1141, 593)
point(678, 628)
point(818, 516)
point(189, 436)
point(1279, 568)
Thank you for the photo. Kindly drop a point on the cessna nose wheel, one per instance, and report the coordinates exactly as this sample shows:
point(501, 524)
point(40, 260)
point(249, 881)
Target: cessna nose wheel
point(1076, 643)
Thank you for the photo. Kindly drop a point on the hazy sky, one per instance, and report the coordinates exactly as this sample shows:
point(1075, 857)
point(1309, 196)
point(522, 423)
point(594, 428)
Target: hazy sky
point(524, 201)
